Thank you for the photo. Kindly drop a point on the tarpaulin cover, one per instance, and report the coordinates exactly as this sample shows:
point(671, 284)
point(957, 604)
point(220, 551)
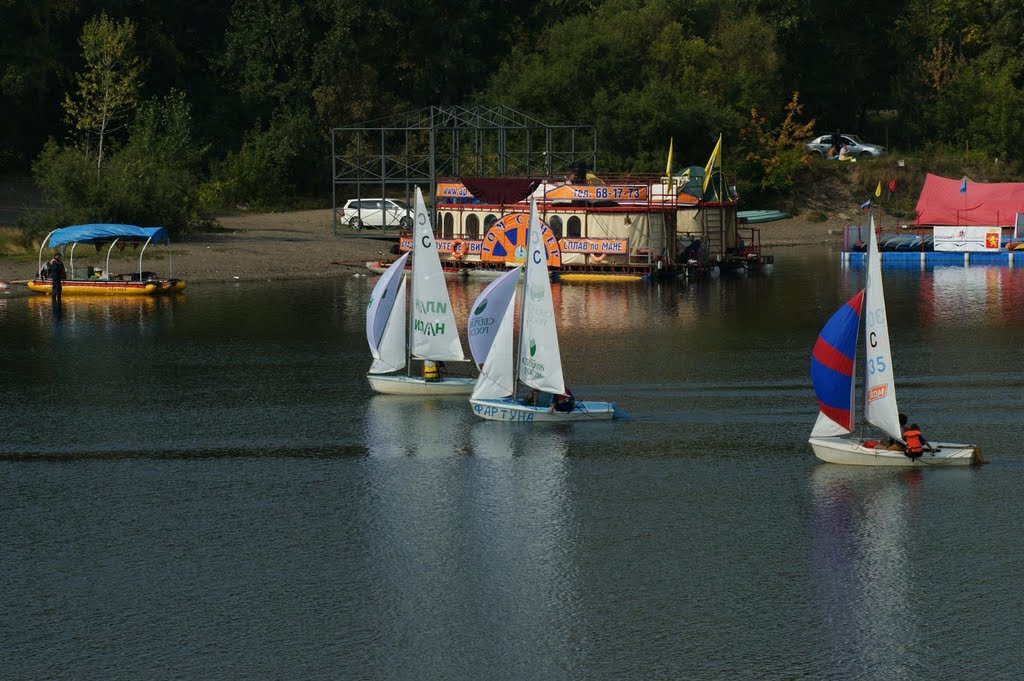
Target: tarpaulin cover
point(983, 204)
point(499, 190)
point(101, 233)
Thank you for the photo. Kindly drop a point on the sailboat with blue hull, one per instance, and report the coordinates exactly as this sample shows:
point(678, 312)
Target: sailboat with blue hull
point(539, 362)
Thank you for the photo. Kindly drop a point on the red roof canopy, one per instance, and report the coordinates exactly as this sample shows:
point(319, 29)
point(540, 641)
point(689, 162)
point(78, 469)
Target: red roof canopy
point(992, 204)
point(500, 190)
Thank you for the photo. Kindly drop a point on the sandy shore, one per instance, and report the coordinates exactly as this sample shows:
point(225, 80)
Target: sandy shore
point(302, 245)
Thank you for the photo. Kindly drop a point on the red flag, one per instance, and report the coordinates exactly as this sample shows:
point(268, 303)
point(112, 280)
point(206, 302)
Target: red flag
point(892, 186)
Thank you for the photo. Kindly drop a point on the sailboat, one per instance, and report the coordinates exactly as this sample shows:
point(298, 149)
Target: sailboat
point(431, 333)
point(539, 363)
point(832, 373)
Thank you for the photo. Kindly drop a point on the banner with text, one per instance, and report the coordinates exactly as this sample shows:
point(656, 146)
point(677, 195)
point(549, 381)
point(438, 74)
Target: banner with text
point(446, 245)
point(609, 246)
point(966, 239)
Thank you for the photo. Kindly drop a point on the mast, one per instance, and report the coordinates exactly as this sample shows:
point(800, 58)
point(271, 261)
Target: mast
point(523, 297)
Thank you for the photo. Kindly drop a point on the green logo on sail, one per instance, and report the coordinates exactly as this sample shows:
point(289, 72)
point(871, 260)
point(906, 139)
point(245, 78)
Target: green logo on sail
point(533, 347)
point(480, 308)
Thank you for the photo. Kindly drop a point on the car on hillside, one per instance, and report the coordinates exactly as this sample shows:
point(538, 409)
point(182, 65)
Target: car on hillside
point(379, 213)
point(855, 146)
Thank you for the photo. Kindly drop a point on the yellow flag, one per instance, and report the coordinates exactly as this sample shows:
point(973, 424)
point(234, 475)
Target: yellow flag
point(668, 166)
point(878, 189)
point(711, 164)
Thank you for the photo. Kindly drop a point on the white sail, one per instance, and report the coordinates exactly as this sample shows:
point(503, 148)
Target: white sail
point(434, 335)
point(389, 355)
point(540, 363)
point(382, 300)
point(826, 427)
point(880, 408)
point(497, 378)
point(487, 312)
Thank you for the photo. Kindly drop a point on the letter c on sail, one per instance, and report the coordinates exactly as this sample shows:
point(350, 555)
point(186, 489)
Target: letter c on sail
point(873, 340)
point(459, 249)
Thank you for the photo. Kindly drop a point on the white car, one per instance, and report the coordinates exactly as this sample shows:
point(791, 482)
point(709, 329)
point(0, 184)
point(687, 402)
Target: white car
point(855, 146)
point(378, 213)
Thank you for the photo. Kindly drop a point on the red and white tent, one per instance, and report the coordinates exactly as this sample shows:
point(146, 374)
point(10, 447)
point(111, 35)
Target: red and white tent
point(946, 201)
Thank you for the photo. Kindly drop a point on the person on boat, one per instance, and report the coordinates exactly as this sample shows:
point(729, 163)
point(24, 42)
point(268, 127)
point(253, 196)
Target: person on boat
point(431, 371)
point(915, 441)
point(563, 403)
point(894, 444)
point(538, 398)
point(57, 274)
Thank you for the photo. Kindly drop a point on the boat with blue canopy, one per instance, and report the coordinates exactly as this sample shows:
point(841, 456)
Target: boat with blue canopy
point(94, 278)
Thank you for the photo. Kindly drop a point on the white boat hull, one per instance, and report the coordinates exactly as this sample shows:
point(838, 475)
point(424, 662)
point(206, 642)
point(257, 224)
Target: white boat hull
point(514, 411)
point(850, 451)
point(394, 384)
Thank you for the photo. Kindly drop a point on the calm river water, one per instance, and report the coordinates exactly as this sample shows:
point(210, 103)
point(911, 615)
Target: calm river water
point(204, 487)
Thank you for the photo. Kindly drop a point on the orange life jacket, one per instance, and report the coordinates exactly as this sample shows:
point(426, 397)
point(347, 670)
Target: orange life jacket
point(913, 438)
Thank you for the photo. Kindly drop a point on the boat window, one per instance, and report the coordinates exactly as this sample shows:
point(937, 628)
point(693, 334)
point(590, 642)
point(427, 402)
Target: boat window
point(575, 227)
point(473, 226)
point(449, 225)
point(489, 220)
point(555, 223)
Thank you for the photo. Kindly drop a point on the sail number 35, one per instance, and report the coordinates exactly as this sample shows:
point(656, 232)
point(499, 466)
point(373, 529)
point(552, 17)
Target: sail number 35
point(876, 365)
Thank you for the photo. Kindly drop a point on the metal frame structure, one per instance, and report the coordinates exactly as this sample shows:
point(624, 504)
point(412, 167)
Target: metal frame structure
point(417, 147)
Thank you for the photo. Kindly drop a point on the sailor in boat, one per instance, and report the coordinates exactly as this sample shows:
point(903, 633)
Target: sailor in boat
point(915, 441)
point(892, 443)
point(538, 398)
point(565, 403)
point(431, 371)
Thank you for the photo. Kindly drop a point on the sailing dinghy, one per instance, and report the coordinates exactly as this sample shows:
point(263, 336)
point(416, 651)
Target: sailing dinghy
point(832, 373)
point(539, 364)
point(431, 334)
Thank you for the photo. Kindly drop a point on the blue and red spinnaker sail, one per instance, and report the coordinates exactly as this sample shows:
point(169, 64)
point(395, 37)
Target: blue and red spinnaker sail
point(832, 362)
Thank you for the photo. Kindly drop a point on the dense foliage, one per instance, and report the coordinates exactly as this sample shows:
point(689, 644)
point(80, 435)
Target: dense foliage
point(192, 105)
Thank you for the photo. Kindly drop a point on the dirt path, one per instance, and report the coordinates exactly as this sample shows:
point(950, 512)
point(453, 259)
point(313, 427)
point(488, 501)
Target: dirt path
point(302, 245)
point(270, 246)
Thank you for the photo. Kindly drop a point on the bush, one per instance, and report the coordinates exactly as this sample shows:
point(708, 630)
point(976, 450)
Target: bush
point(262, 173)
point(151, 181)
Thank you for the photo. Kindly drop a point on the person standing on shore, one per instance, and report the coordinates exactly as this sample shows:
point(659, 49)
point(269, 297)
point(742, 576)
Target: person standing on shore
point(57, 276)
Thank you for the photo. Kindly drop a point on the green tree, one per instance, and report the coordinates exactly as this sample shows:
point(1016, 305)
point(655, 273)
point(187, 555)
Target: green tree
point(108, 87)
point(777, 153)
point(32, 55)
point(151, 180)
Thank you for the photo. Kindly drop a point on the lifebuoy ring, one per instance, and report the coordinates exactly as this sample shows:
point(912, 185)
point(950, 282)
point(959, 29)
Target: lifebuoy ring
point(598, 257)
point(459, 249)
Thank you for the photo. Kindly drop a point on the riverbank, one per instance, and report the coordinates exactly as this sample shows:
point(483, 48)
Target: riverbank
point(302, 245)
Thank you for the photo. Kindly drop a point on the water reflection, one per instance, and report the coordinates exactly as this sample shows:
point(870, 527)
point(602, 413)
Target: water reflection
point(972, 296)
point(955, 296)
point(110, 314)
point(862, 567)
point(398, 425)
point(464, 541)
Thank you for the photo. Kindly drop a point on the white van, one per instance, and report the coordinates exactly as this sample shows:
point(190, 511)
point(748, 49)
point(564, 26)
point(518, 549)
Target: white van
point(379, 213)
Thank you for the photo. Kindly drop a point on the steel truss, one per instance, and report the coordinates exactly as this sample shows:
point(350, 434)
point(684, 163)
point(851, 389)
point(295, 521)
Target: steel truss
point(387, 157)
